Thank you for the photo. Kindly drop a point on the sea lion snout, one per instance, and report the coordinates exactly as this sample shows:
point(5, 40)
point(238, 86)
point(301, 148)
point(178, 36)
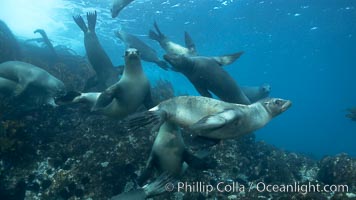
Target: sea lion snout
point(132, 52)
point(287, 104)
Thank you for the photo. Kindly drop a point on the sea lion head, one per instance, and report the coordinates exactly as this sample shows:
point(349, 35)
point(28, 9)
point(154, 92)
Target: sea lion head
point(265, 89)
point(276, 106)
point(132, 57)
point(132, 53)
point(178, 62)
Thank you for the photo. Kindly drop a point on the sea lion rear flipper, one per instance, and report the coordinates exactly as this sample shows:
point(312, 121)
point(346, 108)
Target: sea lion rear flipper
point(91, 17)
point(189, 43)
point(216, 121)
point(80, 22)
point(199, 162)
point(227, 59)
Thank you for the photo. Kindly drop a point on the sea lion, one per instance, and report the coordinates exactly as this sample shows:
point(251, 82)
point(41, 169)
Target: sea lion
point(152, 189)
point(170, 155)
point(7, 87)
point(147, 53)
point(32, 80)
point(211, 118)
point(46, 41)
point(9, 46)
point(171, 47)
point(207, 75)
point(256, 93)
point(125, 96)
point(117, 6)
point(106, 74)
point(351, 113)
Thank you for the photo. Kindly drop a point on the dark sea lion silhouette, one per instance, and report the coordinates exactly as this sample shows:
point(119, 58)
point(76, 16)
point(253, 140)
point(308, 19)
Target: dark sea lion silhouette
point(106, 74)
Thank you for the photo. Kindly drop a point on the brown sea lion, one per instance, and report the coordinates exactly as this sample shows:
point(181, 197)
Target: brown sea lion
point(172, 47)
point(106, 74)
point(207, 75)
point(211, 118)
point(147, 53)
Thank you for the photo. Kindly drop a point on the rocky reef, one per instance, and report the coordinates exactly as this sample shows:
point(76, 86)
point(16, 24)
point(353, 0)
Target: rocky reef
point(69, 153)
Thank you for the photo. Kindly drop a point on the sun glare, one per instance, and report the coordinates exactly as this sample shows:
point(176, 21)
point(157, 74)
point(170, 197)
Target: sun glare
point(25, 16)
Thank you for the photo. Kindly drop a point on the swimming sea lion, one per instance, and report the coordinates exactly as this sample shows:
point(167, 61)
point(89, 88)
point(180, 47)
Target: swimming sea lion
point(118, 5)
point(125, 96)
point(207, 75)
point(171, 47)
point(33, 80)
point(256, 93)
point(351, 113)
point(106, 74)
point(9, 46)
point(211, 118)
point(147, 53)
point(46, 41)
point(169, 154)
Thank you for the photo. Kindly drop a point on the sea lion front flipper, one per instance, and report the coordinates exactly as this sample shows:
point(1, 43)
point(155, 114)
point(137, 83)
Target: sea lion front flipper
point(106, 97)
point(189, 43)
point(227, 59)
point(216, 121)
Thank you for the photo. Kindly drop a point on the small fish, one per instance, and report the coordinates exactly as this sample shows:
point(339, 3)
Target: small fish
point(118, 5)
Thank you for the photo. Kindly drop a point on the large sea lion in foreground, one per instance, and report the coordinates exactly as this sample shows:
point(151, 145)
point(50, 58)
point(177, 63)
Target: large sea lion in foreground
point(147, 53)
point(131, 91)
point(31, 80)
point(172, 47)
point(211, 118)
point(106, 74)
point(207, 75)
point(256, 93)
point(117, 6)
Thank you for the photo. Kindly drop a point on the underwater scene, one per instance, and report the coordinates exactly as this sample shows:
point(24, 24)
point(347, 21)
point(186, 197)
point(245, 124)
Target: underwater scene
point(177, 99)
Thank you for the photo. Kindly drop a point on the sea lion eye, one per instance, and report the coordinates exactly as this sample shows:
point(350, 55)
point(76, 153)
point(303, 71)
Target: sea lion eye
point(278, 102)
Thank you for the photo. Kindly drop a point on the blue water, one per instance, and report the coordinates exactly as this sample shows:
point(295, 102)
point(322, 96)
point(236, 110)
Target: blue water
point(305, 49)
